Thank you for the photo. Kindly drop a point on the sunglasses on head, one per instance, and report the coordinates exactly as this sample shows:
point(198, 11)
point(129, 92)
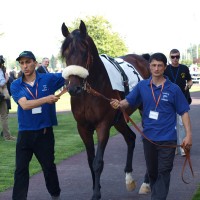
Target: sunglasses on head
point(177, 57)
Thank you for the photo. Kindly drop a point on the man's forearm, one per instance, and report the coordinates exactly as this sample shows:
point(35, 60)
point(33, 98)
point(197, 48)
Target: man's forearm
point(187, 124)
point(30, 104)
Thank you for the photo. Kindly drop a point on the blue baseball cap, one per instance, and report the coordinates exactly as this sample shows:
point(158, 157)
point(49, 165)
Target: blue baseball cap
point(26, 54)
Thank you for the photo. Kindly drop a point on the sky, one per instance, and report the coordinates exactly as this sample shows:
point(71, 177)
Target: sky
point(146, 25)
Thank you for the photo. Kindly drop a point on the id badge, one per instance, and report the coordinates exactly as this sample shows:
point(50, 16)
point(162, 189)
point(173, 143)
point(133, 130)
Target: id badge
point(37, 110)
point(153, 115)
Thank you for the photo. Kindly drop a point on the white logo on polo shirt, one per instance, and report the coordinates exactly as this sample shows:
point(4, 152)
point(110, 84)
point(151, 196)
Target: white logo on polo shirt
point(44, 88)
point(165, 96)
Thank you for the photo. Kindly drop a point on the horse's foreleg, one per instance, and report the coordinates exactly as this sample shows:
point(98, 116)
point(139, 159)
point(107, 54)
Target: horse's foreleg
point(130, 182)
point(91, 156)
point(98, 163)
point(87, 138)
point(129, 137)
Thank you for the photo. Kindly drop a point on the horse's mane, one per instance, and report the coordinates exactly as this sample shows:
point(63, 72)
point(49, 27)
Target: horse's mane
point(67, 41)
point(146, 56)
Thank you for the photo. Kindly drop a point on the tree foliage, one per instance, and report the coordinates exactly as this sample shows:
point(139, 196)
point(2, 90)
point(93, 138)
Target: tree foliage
point(53, 62)
point(191, 55)
point(107, 41)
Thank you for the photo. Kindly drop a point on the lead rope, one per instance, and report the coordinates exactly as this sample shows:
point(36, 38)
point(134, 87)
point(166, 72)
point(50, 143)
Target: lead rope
point(90, 90)
point(62, 92)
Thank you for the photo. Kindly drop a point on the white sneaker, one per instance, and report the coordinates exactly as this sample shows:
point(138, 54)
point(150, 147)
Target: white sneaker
point(144, 188)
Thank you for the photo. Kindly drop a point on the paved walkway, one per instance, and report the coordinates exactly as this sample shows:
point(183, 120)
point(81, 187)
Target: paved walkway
point(75, 178)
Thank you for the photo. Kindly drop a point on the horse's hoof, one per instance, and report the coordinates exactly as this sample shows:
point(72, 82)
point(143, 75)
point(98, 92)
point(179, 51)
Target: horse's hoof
point(145, 188)
point(131, 186)
point(130, 183)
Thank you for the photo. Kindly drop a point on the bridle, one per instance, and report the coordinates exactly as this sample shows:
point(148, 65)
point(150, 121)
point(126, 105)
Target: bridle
point(81, 71)
point(89, 61)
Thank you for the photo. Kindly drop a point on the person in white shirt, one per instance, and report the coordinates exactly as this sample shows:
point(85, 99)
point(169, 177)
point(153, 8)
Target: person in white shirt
point(3, 105)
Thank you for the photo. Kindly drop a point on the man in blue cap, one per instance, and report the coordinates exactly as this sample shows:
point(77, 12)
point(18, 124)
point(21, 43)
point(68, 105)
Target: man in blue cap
point(34, 94)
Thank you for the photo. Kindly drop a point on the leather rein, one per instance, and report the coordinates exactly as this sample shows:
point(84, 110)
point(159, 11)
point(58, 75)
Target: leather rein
point(90, 90)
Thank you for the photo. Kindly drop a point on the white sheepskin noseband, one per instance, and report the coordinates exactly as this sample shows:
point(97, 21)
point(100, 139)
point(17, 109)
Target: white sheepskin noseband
point(75, 70)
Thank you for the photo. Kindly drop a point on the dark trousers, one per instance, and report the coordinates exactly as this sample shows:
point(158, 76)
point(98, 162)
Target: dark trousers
point(159, 162)
point(41, 144)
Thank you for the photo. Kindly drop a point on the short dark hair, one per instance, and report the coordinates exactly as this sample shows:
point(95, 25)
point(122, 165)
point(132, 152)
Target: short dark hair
point(158, 57)
point(174, 51)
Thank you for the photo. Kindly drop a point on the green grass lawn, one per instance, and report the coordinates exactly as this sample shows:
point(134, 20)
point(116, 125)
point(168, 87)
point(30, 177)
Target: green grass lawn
point(67, 143)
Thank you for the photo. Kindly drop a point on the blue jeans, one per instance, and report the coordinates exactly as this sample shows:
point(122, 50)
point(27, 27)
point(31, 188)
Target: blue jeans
point(159, 162)
point(42, 145)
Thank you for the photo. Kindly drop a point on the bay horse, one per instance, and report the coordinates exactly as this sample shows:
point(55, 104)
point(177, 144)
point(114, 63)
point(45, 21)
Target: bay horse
point(91, 112)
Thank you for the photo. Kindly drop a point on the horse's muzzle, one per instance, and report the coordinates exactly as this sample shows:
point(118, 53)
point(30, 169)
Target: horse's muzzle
point(75, 91)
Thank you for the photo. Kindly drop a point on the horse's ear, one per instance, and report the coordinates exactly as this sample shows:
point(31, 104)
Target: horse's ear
point(83, 29)
point(65, 30)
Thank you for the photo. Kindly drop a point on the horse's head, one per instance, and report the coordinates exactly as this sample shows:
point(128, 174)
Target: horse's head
point(76, 50)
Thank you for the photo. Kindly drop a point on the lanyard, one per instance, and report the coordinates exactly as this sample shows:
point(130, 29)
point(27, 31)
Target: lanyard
point(36, 92)
point(157, 102)
point(174, 78)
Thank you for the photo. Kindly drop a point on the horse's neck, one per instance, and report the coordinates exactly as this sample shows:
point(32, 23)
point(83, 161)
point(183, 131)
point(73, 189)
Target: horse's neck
point(98, 74)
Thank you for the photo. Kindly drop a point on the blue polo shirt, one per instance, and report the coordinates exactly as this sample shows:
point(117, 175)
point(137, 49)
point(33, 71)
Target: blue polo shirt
point(45, 84)
point(172, 101)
